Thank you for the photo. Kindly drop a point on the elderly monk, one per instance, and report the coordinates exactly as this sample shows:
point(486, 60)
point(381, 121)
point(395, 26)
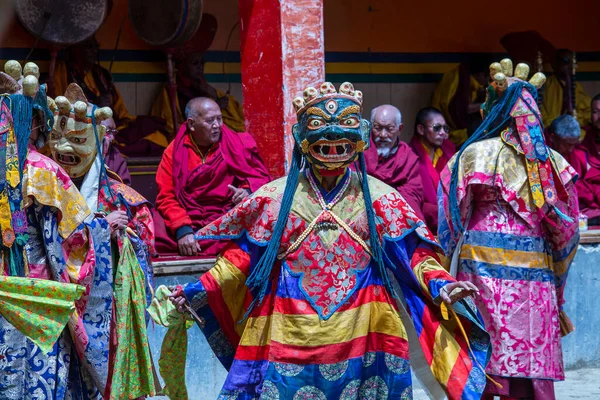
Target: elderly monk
point(564, 137)
point(204, 172)
point(558, 92)
point(391, 160)
point(431, 144)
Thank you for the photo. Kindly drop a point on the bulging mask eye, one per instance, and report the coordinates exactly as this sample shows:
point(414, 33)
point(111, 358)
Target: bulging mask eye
point(315, 123)
point(78, 140)
point(350, 122)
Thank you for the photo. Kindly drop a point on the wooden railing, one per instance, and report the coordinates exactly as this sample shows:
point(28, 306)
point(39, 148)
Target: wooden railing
point(590, 237)
point(176, 265)
point(182, 265)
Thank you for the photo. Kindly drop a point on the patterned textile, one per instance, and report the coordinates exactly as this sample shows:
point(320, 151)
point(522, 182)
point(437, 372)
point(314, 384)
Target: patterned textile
point(130, 369)
point(38, 308)
point(518, 259)
point(61, 249)
point(98, 309)
point(50, 185)
point(328, 328)
point(132, 375)
point(171, 363)
point(122, 197)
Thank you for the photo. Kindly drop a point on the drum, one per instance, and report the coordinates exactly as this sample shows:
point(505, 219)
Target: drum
point(62, 22)
point(167, 23)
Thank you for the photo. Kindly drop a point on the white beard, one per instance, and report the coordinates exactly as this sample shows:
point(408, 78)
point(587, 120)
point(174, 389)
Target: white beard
point(383, 152)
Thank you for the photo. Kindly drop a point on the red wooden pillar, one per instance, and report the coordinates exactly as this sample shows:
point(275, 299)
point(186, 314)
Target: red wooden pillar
point(282, 53)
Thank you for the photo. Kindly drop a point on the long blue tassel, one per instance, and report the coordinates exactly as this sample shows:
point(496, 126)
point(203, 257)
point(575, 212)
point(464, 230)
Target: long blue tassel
point(22, 111)
point(259, 277)
point(562, 215)
point(377, 250)
point(103, 173)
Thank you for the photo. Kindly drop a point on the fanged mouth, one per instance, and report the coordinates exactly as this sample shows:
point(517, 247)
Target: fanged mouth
point(67, 159)
point(332, 151)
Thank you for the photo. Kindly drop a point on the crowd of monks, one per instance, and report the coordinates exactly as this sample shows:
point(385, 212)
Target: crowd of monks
point(210, 164)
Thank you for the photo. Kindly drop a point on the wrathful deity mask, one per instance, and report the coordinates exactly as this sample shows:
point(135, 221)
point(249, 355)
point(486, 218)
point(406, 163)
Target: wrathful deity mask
point(330, 131)
point(73, 138)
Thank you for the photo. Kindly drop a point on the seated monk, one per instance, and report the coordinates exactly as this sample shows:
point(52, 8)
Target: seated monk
point(191, 83)
point(139, 136)
point(563, 135)
point(391, 160)
point(459, 96)
point(203, 173)
point(557, 99)
point(431, 144)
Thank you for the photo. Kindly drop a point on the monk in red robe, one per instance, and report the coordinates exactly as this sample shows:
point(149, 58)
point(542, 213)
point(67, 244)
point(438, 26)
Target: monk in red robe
point(434, 149)
point(203, 173)
point(563, 136)
point(391, 160)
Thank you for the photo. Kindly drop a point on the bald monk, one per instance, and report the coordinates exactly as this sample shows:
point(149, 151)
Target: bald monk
point(191, 83)
point(391, 160)
point(430, 142)
point(557, 92)
point(203, 173)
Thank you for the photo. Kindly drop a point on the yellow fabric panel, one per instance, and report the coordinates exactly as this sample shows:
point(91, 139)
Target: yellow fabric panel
point(427, 265)
point(158, 138)
point(233, 289)
point(43, 185)
point(162, 109)
point(310, 330)
point(511, 258)
point(445, 352)
point(257, 332)
point(436, 154)
point(233, 116)
point(553, 99)
point(444, 93)
point(561, 267)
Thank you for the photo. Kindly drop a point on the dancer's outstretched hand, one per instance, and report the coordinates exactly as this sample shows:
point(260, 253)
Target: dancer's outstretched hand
point(455, 291)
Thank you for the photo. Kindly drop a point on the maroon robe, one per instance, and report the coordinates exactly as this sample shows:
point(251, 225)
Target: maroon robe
point(195, 195)
point(430, 177)
point(401, 171)
point(116, 163)
point(587, 165)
